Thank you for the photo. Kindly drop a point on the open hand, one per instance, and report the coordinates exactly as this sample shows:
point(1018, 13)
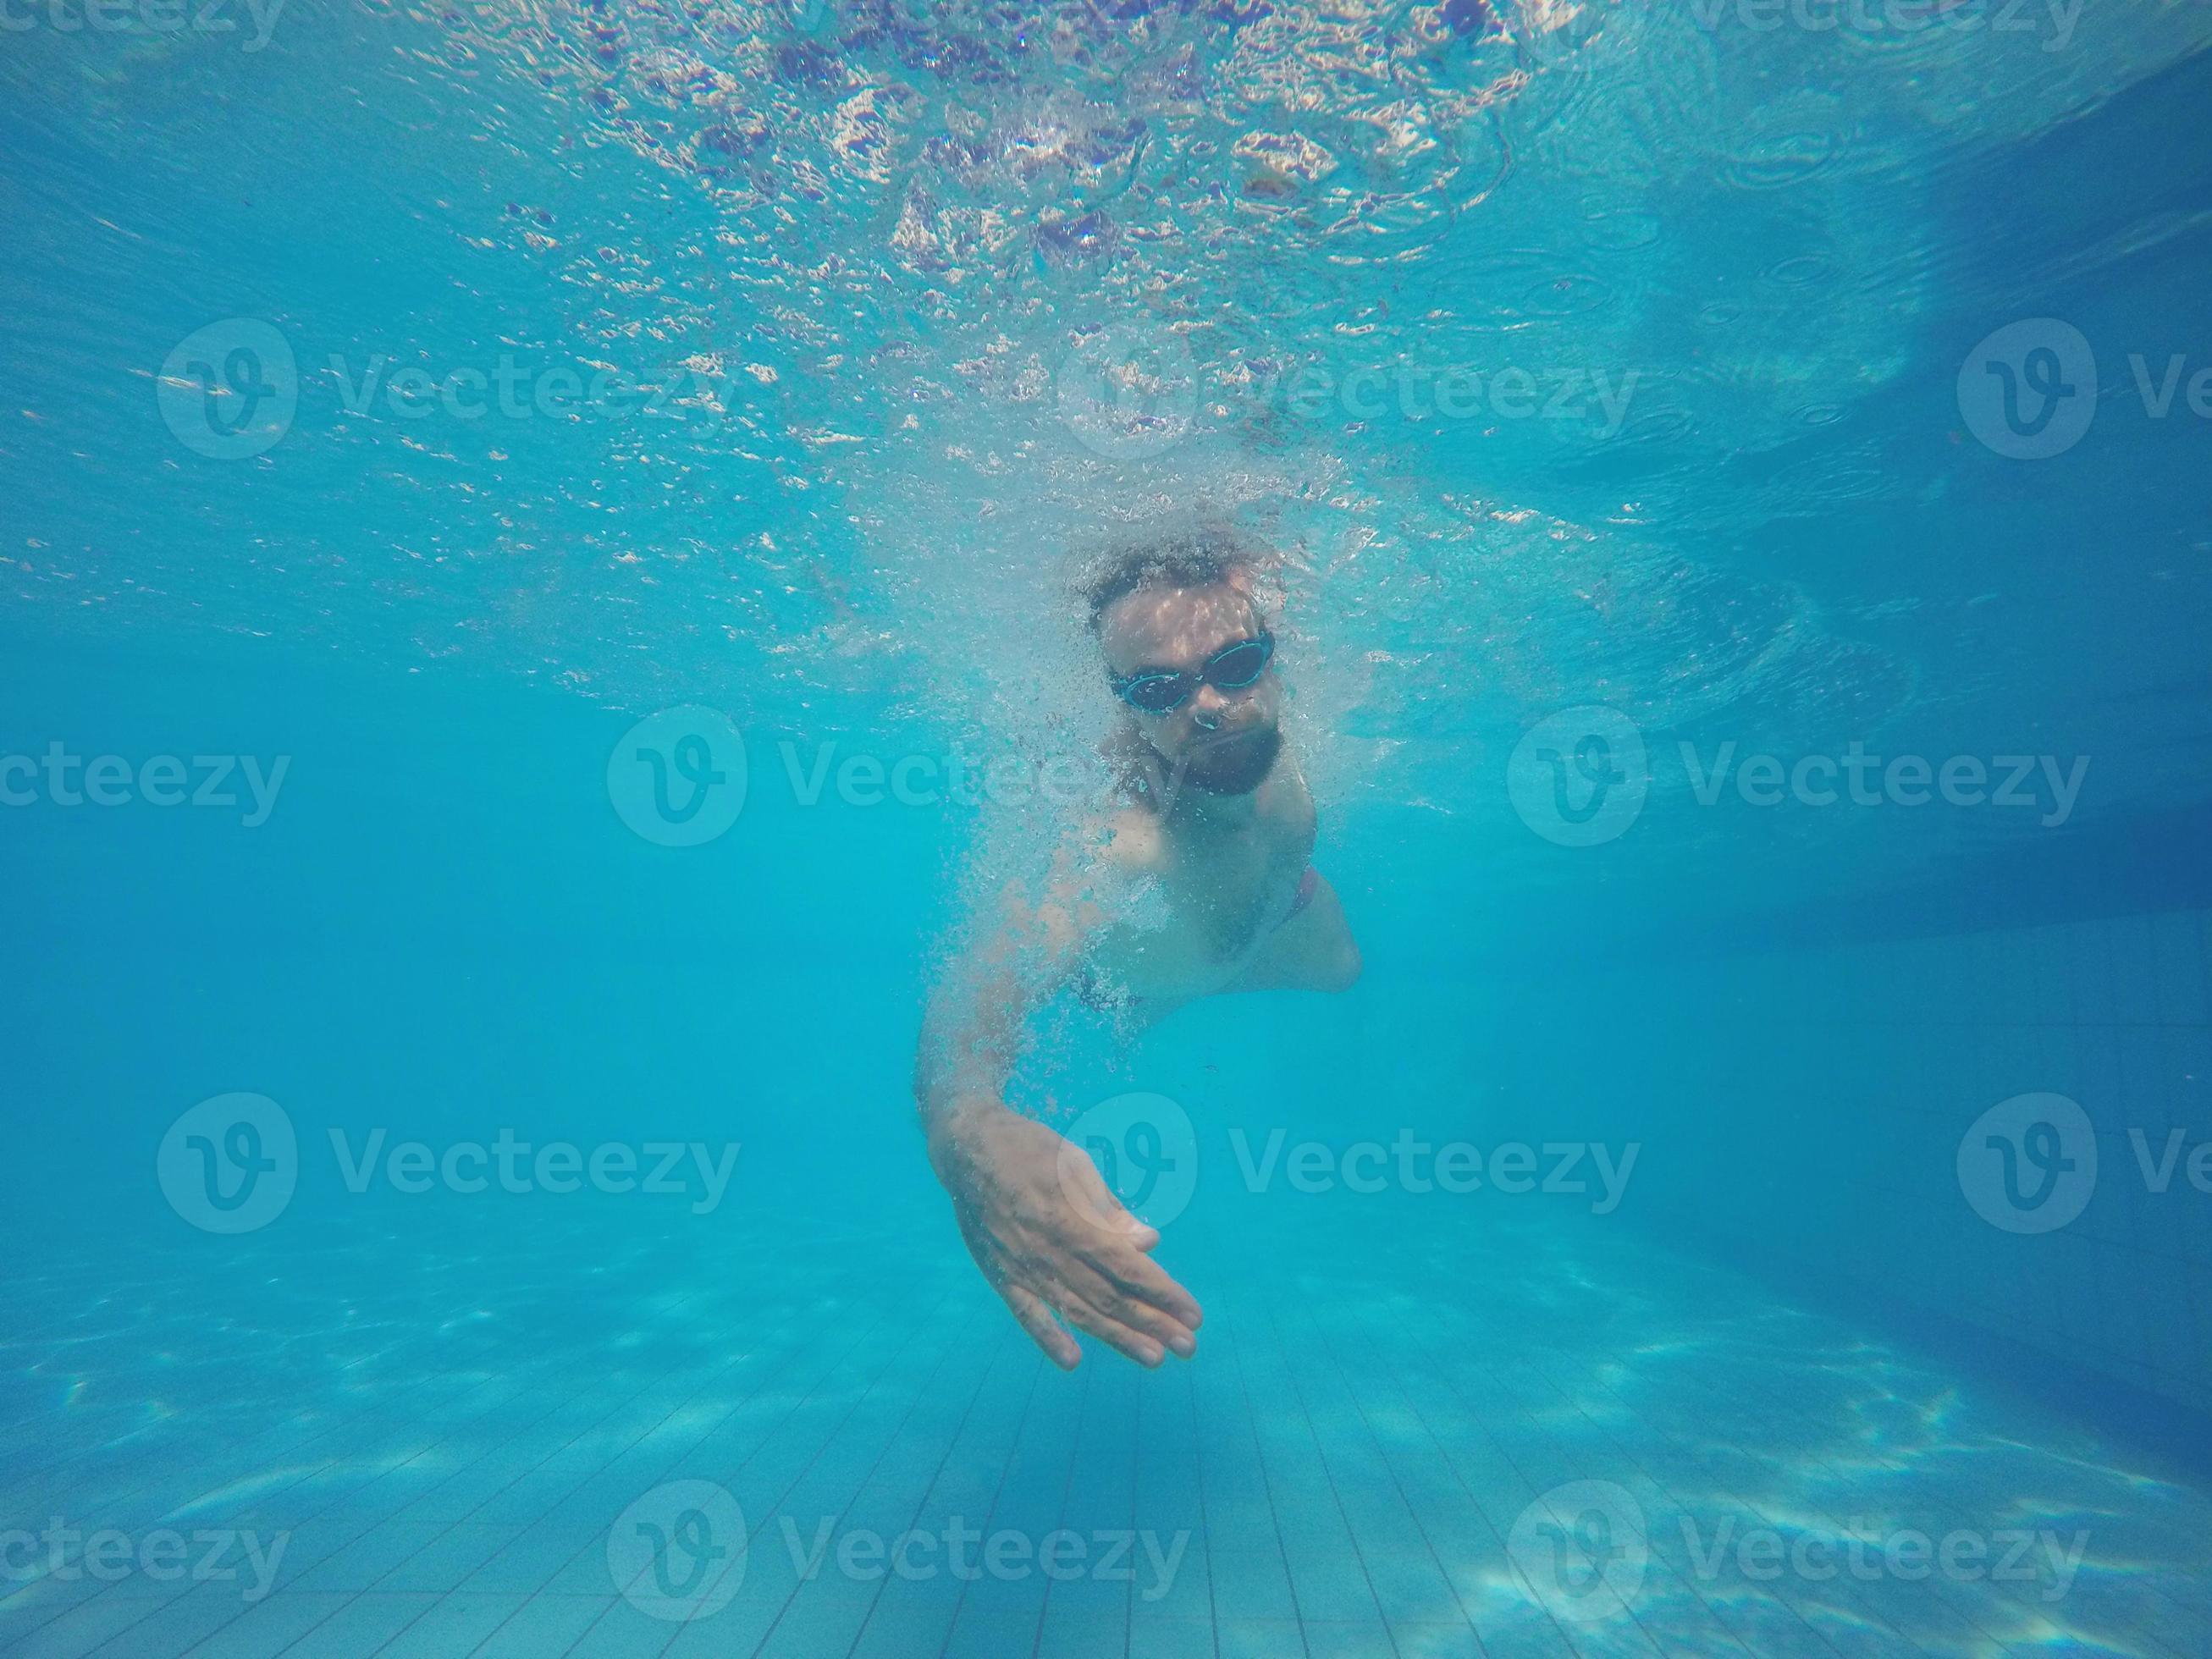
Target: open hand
point(1051, 1238)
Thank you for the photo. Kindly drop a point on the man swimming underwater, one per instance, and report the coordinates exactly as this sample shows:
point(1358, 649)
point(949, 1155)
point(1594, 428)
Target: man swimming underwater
point(1212, 818)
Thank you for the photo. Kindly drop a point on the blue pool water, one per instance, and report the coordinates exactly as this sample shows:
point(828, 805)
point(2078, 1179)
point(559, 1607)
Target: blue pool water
point(537, 546)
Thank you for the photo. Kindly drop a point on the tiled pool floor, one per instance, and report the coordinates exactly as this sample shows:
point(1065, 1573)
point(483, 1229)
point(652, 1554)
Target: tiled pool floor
point(1403, 1436)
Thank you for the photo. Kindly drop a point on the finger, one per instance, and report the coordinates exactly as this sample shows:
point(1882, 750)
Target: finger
point(1044, 1330)
point(1106, 1297)
point(1112, 1332)
point(1099, 1205)
point(1138, 1276)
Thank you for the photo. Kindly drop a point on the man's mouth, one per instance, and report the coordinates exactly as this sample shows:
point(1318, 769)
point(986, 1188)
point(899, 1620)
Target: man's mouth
point(1215, 739)
point(1231, 763)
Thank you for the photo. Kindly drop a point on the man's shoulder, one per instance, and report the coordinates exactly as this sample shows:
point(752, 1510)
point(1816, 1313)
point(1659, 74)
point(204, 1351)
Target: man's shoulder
point(1127, 838)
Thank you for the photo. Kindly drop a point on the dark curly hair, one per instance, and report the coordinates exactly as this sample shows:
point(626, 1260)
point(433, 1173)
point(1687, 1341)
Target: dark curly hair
point(1206, 557)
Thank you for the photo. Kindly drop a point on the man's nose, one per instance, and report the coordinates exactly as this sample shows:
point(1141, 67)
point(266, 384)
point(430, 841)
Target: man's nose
point(1205, 707)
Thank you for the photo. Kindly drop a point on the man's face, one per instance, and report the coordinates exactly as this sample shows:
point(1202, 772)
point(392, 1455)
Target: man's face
point(1224, 742)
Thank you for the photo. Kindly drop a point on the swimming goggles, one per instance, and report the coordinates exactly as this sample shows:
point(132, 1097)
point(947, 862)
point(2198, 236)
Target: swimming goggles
point(1164, 690)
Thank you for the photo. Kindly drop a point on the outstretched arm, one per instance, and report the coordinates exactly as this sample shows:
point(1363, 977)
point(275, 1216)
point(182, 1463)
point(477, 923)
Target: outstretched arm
point(1042, 1227)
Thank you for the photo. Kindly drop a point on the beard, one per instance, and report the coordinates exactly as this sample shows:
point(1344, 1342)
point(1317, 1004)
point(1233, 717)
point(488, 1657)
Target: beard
point(1235, 765)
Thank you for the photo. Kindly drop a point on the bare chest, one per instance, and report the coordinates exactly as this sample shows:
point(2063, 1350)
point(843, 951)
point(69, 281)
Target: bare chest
point(1196, 923)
